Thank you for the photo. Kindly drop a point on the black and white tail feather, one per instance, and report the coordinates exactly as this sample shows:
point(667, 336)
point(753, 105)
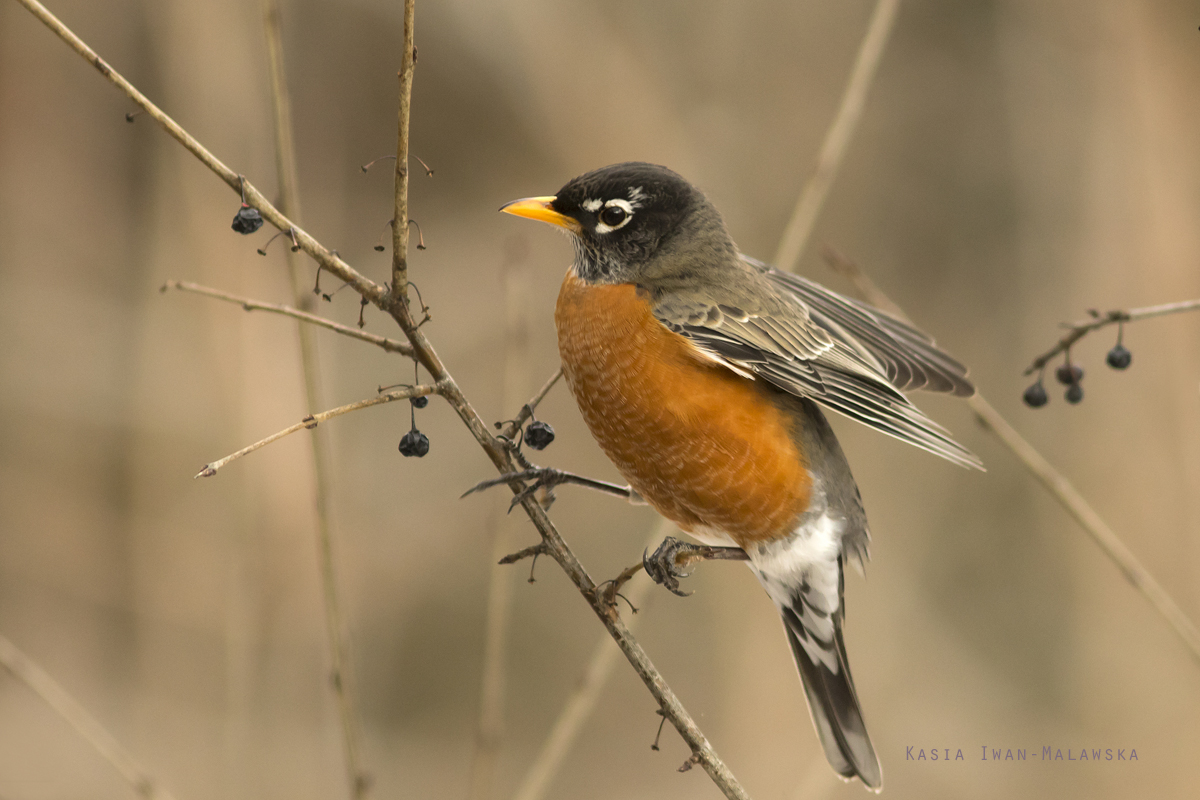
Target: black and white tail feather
point(804, 578)
point(820, 653)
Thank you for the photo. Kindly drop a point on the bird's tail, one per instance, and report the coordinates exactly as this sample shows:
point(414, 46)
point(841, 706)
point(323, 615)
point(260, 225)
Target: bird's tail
point(829, 689)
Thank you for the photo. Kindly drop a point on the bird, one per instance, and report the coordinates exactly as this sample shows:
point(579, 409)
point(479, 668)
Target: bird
point(703, 373)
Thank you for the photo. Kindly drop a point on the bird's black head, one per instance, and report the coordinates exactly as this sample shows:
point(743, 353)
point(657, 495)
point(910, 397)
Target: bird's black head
point(625, 217)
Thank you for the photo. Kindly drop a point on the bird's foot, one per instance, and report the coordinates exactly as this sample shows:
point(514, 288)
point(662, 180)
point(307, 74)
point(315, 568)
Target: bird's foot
point(671, 560)
point(546, 478)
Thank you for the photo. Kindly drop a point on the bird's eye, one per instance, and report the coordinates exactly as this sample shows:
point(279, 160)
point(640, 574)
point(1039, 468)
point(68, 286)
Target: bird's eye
point(613, 216)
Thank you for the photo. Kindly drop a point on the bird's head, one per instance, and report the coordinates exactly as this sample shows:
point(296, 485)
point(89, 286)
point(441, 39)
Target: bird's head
point(634, 223)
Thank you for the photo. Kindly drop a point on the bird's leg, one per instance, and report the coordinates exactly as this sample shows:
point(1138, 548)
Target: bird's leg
point(547, 478)
point(673, 557)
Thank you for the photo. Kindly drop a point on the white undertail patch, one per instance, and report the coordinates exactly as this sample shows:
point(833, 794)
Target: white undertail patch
point(801, 572)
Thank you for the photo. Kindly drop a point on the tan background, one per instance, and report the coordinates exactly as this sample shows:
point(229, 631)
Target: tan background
point(1017, 163)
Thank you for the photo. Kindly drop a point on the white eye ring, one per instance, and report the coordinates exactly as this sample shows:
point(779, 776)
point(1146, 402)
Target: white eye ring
point(625, 206)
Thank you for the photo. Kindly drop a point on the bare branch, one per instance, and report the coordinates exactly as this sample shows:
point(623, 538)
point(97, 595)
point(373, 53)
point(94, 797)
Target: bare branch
point(312, 420)
point(1066, 494)
point(799, 227)
point(390, 345)
point(29, 673)
point(400, 231)
point(1081, 328)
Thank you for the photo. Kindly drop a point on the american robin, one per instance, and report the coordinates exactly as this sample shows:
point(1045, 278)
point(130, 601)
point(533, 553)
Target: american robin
point(701, 373)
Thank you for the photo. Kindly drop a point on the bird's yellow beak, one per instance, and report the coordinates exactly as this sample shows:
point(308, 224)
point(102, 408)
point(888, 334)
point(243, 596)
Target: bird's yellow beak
point(539, 208)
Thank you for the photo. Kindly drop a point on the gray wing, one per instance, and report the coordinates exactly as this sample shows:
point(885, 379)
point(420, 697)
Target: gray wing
point(843, 354)
point(911, 358)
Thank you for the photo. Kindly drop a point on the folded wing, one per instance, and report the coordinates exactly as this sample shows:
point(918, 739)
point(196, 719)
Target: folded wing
point(843, 354)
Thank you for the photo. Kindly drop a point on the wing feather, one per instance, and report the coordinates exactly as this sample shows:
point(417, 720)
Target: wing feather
point(843, 354)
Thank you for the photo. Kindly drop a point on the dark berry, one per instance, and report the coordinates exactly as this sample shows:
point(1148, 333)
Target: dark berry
point(419, 402)
point(247, 220)
point(1119, 357)
point(414, 443)
point(539, 435)
point(1074, 393)
point(1069, 374)
point(1035, 396)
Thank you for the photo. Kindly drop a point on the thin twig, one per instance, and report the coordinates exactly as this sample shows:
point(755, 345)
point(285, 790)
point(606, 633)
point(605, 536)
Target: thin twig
point(1066, 494)
point(312, 420)
point(1081, 328)
point(390, 345)
point(496, 450)
point(581, 702)
point(29, 673)
point(799, 227)
point(343, 683)
point(403, 112)
point(510, 430)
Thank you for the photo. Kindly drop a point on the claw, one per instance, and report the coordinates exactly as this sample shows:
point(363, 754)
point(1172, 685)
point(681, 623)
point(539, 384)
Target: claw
point(670, 561)
point(662, 567)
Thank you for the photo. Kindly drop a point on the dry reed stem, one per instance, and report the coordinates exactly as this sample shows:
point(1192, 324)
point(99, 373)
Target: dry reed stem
point(52, 694)
point(1054, 481)
point(812, 197)
point(426, 355)
point(494, 678)
point(289, 203)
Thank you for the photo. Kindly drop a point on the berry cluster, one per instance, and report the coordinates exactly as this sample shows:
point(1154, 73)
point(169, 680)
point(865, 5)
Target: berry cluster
point(1071, 375)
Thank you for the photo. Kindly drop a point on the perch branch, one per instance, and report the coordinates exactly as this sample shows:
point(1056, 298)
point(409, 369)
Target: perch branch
point(312, 420)
point(52, 694)
point(1054, 481)
point(1081, 328)
point(343, 683)
point(808, 207)
point(390, 345)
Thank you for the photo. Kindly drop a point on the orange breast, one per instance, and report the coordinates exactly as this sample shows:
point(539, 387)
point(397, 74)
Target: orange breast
point(705, 447)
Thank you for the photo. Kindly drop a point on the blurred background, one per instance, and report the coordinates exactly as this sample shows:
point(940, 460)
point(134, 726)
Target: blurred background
point(1017, 163)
